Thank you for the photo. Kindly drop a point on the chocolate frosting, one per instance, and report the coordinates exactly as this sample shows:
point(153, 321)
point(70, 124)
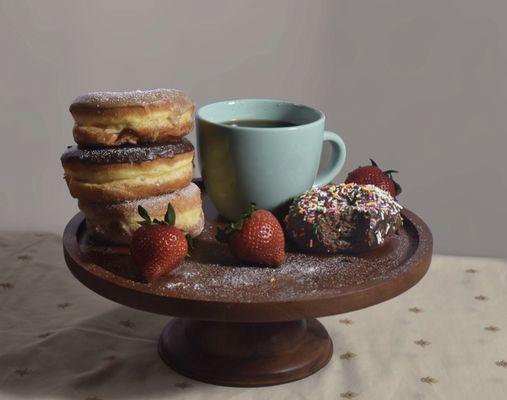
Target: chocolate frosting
point(343, 218)
point(125, 153)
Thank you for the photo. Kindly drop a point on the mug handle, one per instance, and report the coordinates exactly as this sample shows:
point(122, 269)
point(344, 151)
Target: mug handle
point(338, 155)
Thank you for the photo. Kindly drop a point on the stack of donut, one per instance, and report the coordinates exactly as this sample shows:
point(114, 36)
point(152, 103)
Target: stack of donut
point(131, 151)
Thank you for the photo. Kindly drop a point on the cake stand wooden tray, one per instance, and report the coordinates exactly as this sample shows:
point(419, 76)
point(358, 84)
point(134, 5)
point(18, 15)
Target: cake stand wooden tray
point(248, 326)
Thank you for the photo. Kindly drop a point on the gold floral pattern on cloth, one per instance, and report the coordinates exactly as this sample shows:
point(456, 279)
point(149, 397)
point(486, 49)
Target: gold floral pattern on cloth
point(23, 371)
point(429, 380)
point(6, 285)
point(492, 328)
point(347, 356)
point(421, 342)
point(182, 385)
point(127, 323)
point(348, 395)
point(94, 349)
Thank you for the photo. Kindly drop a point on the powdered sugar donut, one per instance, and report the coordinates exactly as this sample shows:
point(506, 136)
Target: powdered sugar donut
point(116, 222)
point(138, 116)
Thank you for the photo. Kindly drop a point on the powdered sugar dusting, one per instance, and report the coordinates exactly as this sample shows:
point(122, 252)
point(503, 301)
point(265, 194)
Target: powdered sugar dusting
point(188, 192)
point(300, 276)
point(143, 98)
point(212, 274)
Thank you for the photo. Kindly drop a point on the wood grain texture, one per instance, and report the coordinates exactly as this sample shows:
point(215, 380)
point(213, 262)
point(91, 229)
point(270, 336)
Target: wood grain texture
point(243, 354)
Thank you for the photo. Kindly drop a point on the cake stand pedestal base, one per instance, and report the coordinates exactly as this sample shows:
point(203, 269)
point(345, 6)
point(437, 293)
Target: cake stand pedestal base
point(245, 354)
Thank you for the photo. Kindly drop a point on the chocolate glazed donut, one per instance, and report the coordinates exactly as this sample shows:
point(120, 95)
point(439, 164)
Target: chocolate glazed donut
point(345, 218)
point(128, 172)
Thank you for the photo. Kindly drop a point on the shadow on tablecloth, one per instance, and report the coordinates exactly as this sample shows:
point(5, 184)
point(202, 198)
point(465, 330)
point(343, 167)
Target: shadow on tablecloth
point(94, 360)
point(60, 340)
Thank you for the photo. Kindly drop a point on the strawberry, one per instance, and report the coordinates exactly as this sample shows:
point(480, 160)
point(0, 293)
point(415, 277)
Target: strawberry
point(373, 175)
point(157, 246)
point(256, 238)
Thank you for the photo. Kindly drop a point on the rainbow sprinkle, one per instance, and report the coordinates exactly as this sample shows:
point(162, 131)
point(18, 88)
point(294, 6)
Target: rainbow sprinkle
point(345, 198)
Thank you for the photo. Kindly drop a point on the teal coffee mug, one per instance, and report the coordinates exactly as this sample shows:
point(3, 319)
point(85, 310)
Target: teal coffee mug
point(262, 151)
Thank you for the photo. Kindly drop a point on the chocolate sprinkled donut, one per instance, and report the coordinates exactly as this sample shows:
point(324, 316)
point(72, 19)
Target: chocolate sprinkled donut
point(348, 218)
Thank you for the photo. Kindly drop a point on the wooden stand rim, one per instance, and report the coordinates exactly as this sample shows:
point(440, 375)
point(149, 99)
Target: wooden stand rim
point(140, 296)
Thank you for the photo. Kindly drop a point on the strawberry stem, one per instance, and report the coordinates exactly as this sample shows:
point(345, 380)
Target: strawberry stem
point(224, 233)
point(169, 217)
point(389, 173)
point(144, 215)
point(190, 242)
point(397, 188)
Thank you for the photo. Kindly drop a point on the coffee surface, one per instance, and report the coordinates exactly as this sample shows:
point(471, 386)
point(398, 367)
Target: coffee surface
point(259, 123)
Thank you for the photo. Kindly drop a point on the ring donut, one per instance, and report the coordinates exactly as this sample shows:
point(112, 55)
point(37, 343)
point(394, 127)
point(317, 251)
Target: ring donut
point(343, 218)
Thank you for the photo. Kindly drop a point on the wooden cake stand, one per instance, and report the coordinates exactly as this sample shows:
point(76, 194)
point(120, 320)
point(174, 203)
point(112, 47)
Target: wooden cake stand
point(248, 326)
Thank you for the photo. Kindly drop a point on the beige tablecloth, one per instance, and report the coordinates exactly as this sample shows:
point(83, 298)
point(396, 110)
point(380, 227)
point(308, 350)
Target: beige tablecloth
point(444, 339)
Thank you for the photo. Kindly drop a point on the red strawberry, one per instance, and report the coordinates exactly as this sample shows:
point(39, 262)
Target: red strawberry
point(373, 175)
point(256, 238)
point(157, 246)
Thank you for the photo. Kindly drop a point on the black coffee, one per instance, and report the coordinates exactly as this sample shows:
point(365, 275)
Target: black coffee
point(259, 123)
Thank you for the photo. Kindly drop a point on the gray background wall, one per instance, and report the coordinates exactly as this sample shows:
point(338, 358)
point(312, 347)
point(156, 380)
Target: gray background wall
point(420, 86)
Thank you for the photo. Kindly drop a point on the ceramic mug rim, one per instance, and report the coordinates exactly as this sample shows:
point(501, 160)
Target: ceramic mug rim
point(320, 117)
